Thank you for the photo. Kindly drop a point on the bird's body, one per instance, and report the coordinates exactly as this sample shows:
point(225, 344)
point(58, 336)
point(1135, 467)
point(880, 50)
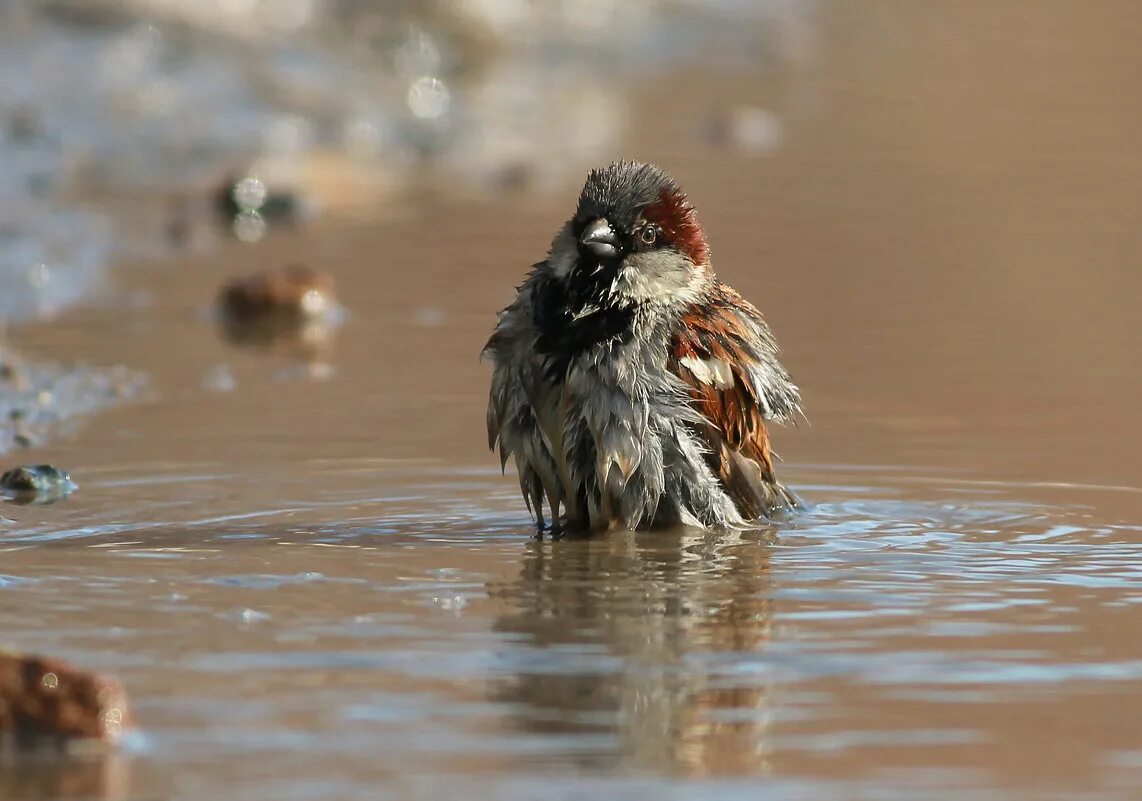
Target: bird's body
point(630, 385)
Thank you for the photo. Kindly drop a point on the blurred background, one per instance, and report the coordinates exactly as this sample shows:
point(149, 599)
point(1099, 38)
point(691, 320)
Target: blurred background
point(162, 133)
point(126, 105)
point(250, 251)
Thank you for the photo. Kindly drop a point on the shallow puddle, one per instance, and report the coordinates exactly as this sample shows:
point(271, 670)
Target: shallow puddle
point(907, 631)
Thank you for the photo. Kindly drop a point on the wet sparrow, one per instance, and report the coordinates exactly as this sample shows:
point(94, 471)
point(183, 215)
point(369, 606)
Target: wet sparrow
point(631, 386)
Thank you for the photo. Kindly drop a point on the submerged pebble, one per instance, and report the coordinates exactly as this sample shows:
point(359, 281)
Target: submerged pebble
point(40, 483)
point(293, 310)
point(246, 197)
point(47, 702)
point(294, 293)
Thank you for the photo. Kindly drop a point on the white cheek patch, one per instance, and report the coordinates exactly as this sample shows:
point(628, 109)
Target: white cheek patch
point(664, 279)
point(714, 372)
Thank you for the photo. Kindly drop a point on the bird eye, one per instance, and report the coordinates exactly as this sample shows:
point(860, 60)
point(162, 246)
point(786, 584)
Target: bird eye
point(648, 235)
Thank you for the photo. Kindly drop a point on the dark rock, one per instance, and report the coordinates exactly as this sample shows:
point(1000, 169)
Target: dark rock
point(293, 294)
point(247, 194)
point(292, 312)
point(40, 483)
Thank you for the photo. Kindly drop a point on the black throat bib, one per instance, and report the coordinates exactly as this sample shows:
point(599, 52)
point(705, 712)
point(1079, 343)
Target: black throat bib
point(573, 317)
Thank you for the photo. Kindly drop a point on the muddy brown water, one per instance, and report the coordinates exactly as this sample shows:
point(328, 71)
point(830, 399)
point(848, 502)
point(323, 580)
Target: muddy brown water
point(323, 588)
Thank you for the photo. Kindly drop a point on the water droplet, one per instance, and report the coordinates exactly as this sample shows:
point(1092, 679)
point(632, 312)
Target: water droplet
point(451, 602)
point(249, 226)
point(249, 616)
point(112, 722)
point(250, 193)
point(314, 302)
point(429, 98)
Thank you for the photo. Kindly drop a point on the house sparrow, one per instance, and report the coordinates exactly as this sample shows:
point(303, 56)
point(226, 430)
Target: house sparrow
point(631, 386)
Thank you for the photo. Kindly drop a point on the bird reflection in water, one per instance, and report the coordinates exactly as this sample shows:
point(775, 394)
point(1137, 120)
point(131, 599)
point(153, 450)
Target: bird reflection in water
point(640, 639)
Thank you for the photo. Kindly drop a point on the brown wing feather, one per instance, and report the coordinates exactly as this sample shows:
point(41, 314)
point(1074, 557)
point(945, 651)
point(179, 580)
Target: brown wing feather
point(736, 436)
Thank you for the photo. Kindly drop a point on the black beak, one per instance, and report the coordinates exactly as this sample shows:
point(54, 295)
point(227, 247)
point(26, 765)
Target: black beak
point(599, 240)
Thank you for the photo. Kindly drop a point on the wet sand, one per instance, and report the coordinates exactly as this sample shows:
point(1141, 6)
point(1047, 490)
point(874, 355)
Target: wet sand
point(325, 589)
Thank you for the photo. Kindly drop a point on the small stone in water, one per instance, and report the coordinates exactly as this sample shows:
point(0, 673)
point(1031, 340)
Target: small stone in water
point(248, 195)
point(294, 309)
point(47, 701)
point(43, 481)
point(296, 293)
